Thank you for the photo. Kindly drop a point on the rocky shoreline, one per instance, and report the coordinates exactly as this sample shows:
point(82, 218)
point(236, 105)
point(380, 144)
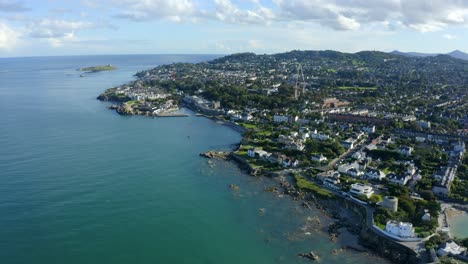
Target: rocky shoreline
point(344, 227)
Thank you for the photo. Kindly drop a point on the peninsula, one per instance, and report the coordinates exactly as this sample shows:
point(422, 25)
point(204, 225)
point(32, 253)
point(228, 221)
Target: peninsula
point(380, 133)
point(98, 68)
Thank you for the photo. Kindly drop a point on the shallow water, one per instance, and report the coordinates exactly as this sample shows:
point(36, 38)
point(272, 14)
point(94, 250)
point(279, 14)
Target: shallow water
point(81, 184)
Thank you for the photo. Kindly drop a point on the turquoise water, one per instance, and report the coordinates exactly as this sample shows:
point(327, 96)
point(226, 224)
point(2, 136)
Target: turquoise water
point(458, 225)
point(81, 184)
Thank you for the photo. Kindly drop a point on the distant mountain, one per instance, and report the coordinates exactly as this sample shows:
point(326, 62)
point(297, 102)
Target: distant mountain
point(454, 54)
point(458, 54)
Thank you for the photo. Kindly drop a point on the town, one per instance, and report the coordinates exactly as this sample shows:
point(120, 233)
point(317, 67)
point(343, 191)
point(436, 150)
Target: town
point(385, 131)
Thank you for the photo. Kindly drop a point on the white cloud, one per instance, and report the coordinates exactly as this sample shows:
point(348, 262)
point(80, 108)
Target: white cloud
point(8, 37)
point(57, 32)
point(142, 10)
point(421, 15)
point(228, 12)
point(449, 36)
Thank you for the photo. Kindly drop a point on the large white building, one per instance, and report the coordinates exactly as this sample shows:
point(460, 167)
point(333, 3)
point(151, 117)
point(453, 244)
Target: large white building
point(361, 189)
point(400, 229)
point(450, 248)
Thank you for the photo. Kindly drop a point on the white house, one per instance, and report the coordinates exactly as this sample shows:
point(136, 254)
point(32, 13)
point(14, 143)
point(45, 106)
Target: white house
point(320, 136)
point(353, 172)
point(400, 229)
point(332, 182)
point(295, 146)
point(426, 216)
point(256, 152)
point(361, 189)
point(305, 135)
point(358, 155)
point(343, 168)
point(290, 163)
point(348, 143)
point(411, 170)
point(319, 158)
point(424, 124)
point(374, 174)
point(247, 117)
point(398, 179)
point(450, 248)
point(406, 151)
point(251, 152)
point(285, 139)
point(369, 129)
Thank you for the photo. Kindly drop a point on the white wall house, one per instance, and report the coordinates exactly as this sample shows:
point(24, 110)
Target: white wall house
point(398, 179)
point(332, 182)
point(450, 248)
point(361, 189)
point(369, 129)
point(319, 158)
point(400, 229)
point(320, 136)
point(407, 151)
point(353, 172)
point(374, 174)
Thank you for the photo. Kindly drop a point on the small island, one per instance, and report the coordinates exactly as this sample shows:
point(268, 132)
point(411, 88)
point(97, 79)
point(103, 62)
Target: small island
point(98, 68)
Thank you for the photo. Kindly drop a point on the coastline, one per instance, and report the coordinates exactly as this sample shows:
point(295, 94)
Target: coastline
point(347, 225)
point(455, 217)
point(347, 221)
point(342, 223)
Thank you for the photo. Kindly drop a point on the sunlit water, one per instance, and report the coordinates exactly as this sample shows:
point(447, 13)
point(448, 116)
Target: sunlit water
point(81, 184)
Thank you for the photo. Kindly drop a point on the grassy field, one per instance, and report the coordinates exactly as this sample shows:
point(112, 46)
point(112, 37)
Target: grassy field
point(306, 185)
point(248, 126)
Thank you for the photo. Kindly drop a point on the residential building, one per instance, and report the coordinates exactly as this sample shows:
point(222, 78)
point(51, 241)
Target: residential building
point(287, 162)
point(251, 152)
point(369, 129)
point(280, 118)
point(320, 136)
point(353, 172)
point(374, 174)
point(257, 153)
point(343, 168)
point(400, 229)
point(348, 143)
point(426, 216)
point(444, 177)
point(450, 247)
point(319, 158)
point(424, 124)
point(398, 179)
point(332, 182)
point(276, 158)
point(295, 146)
point(406, 151)
point(361, 189)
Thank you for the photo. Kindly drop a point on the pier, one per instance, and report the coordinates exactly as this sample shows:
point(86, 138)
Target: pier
point(172, 115)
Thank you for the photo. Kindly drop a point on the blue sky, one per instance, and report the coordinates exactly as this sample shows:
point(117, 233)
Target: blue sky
point(80, 27)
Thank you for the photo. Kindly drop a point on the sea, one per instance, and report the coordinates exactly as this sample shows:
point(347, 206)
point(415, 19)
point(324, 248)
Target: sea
point(82, 184)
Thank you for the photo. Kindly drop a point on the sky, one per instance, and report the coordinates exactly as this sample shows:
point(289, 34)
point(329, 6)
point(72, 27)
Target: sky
point(88, 27)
